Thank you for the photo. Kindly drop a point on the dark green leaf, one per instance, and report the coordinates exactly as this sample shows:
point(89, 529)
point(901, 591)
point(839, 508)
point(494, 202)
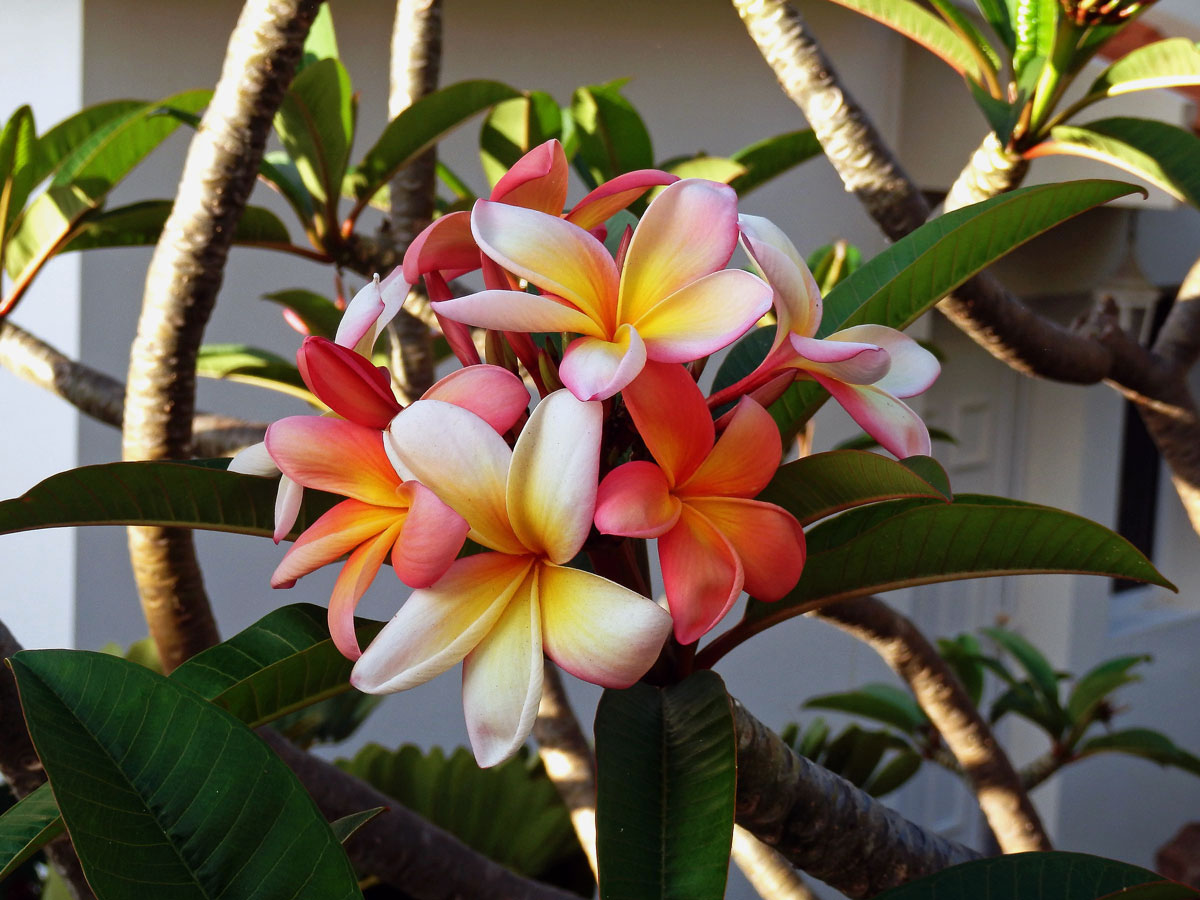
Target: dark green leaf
point(316, 125)
point(140, 224)
point(895, 774)
point(612, 136)
point(156, 493)
point(773, 156)
point(345, 827)
point(919, 25)
point(513, 128)
point(667, 761)
point(880, 702)
point(1040, 672)
point(1021, 698)
point(812, 742)
point(1101, 681)
point(319, 314)
point(865, 755)
point(26, 827)
point(1143, 742)
point(961, 654)
point(744, 357)
point(328, 721)
point(165, 793)
point(1160, 890)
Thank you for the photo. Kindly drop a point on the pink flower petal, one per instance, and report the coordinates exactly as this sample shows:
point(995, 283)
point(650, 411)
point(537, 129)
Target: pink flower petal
point(797, 298)
point(898, 429)
point(494, 394)
point(598, 630)
point(744, 459)
point(913, 370)
point(334, 534)
point(853, 363)
point(671, 416)
point(687, 232)
point(437, 626)
point(370, 310)
point(349, 384)
point(502, 680)
point(701, 573)
point(356, 576)
point(538, 180)
point(615, 195)
point(704, 316)
point(767, 539)
point(595, 369)
point(287, 507)
point(334, 455)
point(447, 245)
point(516, 311)
point(634, 500)
point(431, 538)
point(457, 335)
point(552, 480)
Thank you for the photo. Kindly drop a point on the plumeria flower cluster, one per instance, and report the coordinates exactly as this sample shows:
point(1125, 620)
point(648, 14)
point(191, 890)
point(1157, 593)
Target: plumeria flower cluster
point(628, 450)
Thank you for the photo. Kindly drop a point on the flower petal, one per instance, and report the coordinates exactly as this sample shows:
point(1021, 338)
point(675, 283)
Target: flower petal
point(348, 383)
point(446, 245)
point(797, 298)
point(516, 311)
point(552, 481)
point(913, 370)
point(437, 626)
point(538, 180)
point(431, 538)
point(560, 258)
point(744, 459)
point(688, 231)
point(615, 195)
point(767, 539)
point(701, 573)
point(704, 316)
point(334, 534)
point(494, 394)
point(352, 582)
point(459, 457)
point(253, 460)
point(287, 507)
point(853, 363)
point(671, 416)
point(898, 429)
point(502, 679)
point(598, 630)
point(634, 500)
point(370, 310)
point(595, 369)
point(334, 455)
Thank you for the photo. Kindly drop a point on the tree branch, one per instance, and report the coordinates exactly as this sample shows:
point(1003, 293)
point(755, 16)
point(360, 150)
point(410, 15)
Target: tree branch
point(768, 872)
point(986, 766)
point(181, 287)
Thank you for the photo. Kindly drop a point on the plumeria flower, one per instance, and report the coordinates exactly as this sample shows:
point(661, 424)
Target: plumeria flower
point(696, 498)
point(496, 611)
point(866, 368)
point(670, 301)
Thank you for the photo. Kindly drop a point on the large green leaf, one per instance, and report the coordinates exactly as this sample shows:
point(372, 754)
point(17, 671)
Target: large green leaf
point(321, 42)
point(513, 128)
point(902, 543)
point(1163, 154)
point(166, 794)
point(1026, 876)
point(1034, 25)
point(1174, 62)
point(820, 485)
point(902, 282)
point(765, 159)
point(613, 139)
point(26, 827)
point(283, 662)
point(56, 145)
point(923, 27)
point(418, 128)
point(666, 772)
point(252, 365)
point(316, 125)
point(140, 224)
point(156, 493)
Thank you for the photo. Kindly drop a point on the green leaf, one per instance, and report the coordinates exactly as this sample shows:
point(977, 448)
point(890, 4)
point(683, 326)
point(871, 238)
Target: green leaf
point(985, 54)
point(283, 662)
point(165, 793)
point(812, 742)
point(880, 702)
point(1021, 698)
point(1035, 664)
point(765, 159)
point(321, 42)
point(816, 486)
point(744, 357)
point(962, 654)
point(418, 128)
point(996, 14)
point(1097, 684)
point(26, 827)
point(56, 145)
point(1165, 155)
point(513, 128)
point(316, 125)
point(157, 493)
point(319, 314)
point(328, 721)
point(899, 284)
point(923, 27)
point(18, 147)
point(279, 172)
point(1172, 63)
point(252, 365)
point(510, 812)
point(345, 827)
point(140, 224)
point(1034, 25)
point(613, 138)
point(667, 761)
point(713, 168)
point(1143, 742)
point(832, 263)
point(1160, 890)
point(1028, 876)
point(902, 543)
point(897, 772)
point(866, 752)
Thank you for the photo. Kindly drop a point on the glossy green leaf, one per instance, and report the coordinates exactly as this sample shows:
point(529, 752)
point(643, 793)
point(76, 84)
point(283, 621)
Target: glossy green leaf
point(995, 12)
point(1174, 62)
point(816, 486)
point(986, 56)
point(666, 773)
point(164, 793)
point(1165, 155)
point(1027, 876)
point(26, 827)
point(880, 702)
point(418, 128)
point(510, 812)
point(157, 493)
point(140, 224)
point(251, 365)
point(279, 172)
point(1092, 688)
point(902, 282)
point(1034, 23)
point(613, 139)
point(1143, 742)
point(1035, 664)
point(283, 662)
point(319, 314)
point(321, 41)
point(513, 128)
point(345, 827)
point(316, 126)
point(919, 25)
point(902, 543)
point(713, 168)
point(765, 159)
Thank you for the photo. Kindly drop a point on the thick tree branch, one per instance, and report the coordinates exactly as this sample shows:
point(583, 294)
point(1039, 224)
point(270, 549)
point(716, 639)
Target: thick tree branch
point(181, 287)
point(991, 775)
point(768, 872)
point(826, 826)
point(102, 397)
point(401, 848)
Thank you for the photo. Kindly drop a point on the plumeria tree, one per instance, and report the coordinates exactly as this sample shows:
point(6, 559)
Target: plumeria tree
point(517, 498)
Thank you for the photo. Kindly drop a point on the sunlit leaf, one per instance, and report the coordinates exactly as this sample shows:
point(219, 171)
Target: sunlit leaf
point(252, 365)
point(140, 224)
point(923, 27)
point(513, 128)
point(26, 827)
point(1172, 63)
point(320, 314)
point(613, 139)
point(316, 125)
point(321, 42)
point(765, 159)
